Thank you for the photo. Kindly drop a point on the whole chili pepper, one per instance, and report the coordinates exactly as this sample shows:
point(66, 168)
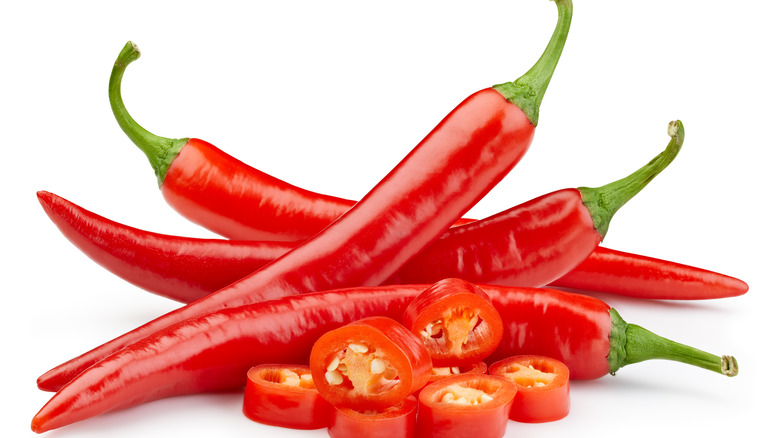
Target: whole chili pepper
point(527, 245)
point(214, 351)
point(475, 146)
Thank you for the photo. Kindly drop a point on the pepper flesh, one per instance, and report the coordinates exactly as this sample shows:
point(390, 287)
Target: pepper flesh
point(370, 364)
point(465, 406)
point(542, 387)
point(396, 422)
point(455, 321)
point(284, 395)
point(482, 138)
point(214, 351)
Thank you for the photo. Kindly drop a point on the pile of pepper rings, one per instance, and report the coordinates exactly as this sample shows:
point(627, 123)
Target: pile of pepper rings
point(391, 316)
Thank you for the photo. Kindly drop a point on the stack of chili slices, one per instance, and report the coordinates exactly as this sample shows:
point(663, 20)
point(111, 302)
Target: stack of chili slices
point(415, 312)
point(424, 378)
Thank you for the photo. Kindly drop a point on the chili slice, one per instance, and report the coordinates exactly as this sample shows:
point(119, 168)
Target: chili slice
point(394, 422)
point(455, 321)
point(284, 395)
point(467, 406)
point(370, 364)
point(542, 387)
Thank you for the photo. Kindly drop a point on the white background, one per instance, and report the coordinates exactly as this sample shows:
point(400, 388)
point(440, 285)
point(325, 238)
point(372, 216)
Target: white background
point(329, 96)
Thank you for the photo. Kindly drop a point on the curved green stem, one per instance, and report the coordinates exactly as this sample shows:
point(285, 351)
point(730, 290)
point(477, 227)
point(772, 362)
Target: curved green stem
point(603, 202)
point(528, 90)
point(160, 151)
point(630, 343)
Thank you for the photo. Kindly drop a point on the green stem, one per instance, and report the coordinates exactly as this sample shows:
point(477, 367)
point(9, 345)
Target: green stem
point(603, 202)
point(160, 151)
point(528, 90)
point(630, 343)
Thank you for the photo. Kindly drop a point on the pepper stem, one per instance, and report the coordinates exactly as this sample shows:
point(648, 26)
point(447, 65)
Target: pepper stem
point(603, 202)
point(160, 151)
point(630, 343)
point(527, 91)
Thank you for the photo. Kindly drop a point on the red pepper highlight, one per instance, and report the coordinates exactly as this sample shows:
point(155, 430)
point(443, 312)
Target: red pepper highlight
point(394, 422)
point(214, 351)
point(370, 364)
point(482, 138)
point(465, 406)
point(455, 322)
point(284, 395)
point(542, 387)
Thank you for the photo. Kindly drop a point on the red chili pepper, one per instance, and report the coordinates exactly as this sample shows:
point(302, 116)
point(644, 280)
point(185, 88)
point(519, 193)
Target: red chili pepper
point(621, 273)
point(214, 351)
point(284, 395)
point(469, 152)
point(465, 406)
point(370, 364)
point(542, 387)
point(394, 422)
point(527, 245)
point(455, 322)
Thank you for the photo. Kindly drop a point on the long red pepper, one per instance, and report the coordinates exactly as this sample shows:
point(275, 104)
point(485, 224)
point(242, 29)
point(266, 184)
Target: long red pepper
point(532, 244)
point(475, 146)
point(214, 351)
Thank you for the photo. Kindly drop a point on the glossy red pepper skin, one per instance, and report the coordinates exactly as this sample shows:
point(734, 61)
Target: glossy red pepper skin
point(483, 138)
point(618, 272)
point(386, 340)
point(268, 399)
point(213, 352)
point(437, 418)
point(235, 200)
point(395, 422)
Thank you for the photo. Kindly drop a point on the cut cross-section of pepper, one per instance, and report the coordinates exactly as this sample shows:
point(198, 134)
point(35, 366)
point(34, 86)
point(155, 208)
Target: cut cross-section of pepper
point(370, 364)
point(456, 322)
point(467, 406)
point(396, 421)
point(284, 395)
point(542, 387)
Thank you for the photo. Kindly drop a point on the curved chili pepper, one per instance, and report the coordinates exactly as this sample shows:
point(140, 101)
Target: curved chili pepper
point(464, 156)
point(542, 387)
point(394, 422)
point(284, 395)
point(465, 406)
point(369, 364)
point(455, 322)
point(214, 351)
point(528, 245)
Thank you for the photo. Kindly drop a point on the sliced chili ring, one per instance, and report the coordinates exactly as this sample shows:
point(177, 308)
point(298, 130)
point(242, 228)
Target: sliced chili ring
point(394, 422)
point(284, 395)
point(456, 322)
point(542, 387)
point(370, 364)
point(467, 405)
point(440, 373)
